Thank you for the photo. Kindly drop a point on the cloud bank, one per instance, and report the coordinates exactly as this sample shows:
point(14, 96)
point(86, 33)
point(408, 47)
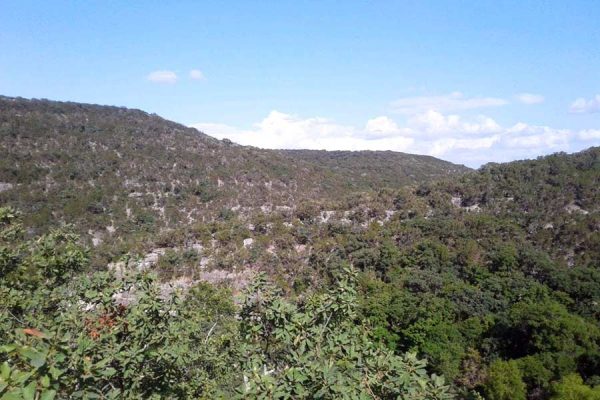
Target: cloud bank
point(432, 125)
point(471, 141)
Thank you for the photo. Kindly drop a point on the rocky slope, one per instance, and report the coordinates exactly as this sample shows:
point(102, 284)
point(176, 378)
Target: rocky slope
point(108, 168)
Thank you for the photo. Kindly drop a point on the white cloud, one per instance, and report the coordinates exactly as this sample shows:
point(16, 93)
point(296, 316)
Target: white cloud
point(284, 131)
point(197, 75)
point(530, 98)
point(471, 141)
point(583, 106)
point(434, 123)
point(430, 133)
point(455, 101)
point(169, 77)
point(380, 127)
point(589, 134)
point(441, 147)
point(526, 136)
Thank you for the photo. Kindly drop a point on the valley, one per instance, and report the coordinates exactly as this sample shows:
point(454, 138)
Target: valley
point(490, 276)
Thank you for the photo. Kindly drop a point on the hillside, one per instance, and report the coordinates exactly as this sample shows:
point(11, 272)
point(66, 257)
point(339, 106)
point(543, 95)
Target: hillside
point(553, 199)
point(112, 168)
point(377, 169)
point(492, 276)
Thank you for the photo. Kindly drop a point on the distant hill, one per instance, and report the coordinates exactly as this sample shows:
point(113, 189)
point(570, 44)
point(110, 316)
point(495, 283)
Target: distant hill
point(376, 169)
point(100, 166)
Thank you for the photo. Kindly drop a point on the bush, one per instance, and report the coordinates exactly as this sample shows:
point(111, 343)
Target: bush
point(571, 387)
point(504, 382)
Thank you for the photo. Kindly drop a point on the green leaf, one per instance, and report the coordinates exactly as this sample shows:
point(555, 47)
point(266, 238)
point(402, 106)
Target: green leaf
point(5, 371)
point(29, 391)
point(21, 377)
point(45, 381)
point(14, 395)
point(7, 348)
point(48, 395)
point(36, 359)
point(55, 372)
point(108, 372)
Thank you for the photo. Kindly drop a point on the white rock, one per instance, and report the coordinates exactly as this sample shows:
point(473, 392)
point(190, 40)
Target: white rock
point(5, 186)
point(326, 216)
point(456, 201)
point(117, 267)
point(151, 258)
point(473, 208)
point(389, 214)
point(197, 246)
point(237, 280)
point(300, 248)
point(574, 208)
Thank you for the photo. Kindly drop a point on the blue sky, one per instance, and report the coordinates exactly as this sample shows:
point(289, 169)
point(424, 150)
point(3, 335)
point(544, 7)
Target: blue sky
point(470, 82)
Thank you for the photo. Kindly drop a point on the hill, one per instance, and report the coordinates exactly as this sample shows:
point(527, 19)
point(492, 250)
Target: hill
point(112, 168)
point(554, 199)
point(377, 169)
point(492, 275)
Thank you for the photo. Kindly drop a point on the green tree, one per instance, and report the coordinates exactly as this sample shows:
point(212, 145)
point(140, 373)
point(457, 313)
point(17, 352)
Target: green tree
point(571, 387)
point(317, 348)
point(504, 382)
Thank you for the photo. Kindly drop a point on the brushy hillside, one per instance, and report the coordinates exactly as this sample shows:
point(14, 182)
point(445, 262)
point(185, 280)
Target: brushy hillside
point(124, 170)
point(377, 169)
point(492, 276)
point(554, 199)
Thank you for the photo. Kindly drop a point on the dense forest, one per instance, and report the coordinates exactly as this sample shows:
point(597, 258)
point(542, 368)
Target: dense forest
point(143, 259)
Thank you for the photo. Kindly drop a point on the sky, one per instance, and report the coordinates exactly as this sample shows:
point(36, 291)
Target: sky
point(469, 82)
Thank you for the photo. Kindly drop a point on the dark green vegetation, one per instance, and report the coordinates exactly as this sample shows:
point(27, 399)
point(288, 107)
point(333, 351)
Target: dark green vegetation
point(72, 335)
point(491, 276)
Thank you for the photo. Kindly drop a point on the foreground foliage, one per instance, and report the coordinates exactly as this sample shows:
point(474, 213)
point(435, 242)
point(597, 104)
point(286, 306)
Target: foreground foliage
point(68, 334)
point(317, 348)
